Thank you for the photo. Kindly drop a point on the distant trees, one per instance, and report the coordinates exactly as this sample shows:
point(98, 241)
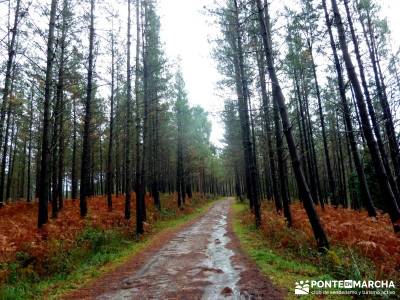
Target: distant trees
point(324, 116)
point(364, 189)
point(304, 192)
point(8, 80)
point(182, 110)
point(319, 90)
point(79, 133)
point(233, 154)
point(237, 74)
point(376, 157)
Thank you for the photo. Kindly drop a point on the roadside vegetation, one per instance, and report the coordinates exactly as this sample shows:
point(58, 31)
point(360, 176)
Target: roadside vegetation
point(288, 255)
point(78, 252)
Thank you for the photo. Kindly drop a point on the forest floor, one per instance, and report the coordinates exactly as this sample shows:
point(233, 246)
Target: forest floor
point(201, 261)
point(69, 252)
point(209, 250)
point(361, 248)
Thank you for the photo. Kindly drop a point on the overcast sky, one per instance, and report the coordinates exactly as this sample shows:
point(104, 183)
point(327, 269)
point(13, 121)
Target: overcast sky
point(186, 32)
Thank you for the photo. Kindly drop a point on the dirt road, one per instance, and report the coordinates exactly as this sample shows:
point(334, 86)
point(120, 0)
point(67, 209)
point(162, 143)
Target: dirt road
point(202, 261)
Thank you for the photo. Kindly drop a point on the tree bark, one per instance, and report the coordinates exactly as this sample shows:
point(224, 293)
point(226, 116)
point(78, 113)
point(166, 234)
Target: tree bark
point(44, 163)
point(268, 131)
point(128, 182)
point(382, 96)
point(139, 189)
point(60, 96)
point(110, 165)
point(29, 175)
point(9, 68)
point(328, 165)
point(243, 96)
point(371, 110)
point(318, 230)
point(347, 117)
point(281, 166)
point(74, 183)
point(86, 167)
point(388, 196)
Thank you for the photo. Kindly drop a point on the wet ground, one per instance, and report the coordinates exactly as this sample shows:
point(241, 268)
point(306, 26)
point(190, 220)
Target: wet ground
point(202, 261)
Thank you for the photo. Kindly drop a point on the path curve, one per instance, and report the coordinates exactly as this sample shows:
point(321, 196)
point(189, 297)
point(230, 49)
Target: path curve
point(202, 261)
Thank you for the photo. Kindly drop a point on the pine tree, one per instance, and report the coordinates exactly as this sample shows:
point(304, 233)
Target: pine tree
point(44, 165)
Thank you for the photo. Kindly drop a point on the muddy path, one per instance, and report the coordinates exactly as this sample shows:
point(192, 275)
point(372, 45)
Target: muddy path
point(202, 261)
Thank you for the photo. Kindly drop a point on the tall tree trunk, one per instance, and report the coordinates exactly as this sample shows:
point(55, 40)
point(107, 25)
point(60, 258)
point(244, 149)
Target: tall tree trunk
point(110, 165)
point(74, 180)
point(268, 131)
point(179, 171)
point(387, 115)
point(342, 174)
point(128, 182)
point(101, 168)
point(313, 155)
point(328, 165)
point(347, 117)
point(281, 166)
point(61, 106)
point(244, 118)
point(54, 165)
point(388, 196)
point(371, 110)
point(319, 232)
point(307, 152)
point(155, 185)
point(58, 156)
point(146, 98)
point(138, 184)
point(9, 68)
point(29, 175)
point(11, 159)
point(20, 193)
point(9, 123)
point(44, 163)
point(85, 189)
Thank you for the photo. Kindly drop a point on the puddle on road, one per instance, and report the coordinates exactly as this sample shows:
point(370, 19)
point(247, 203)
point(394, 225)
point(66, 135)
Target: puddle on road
point(219, 257)
point(195, 262)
